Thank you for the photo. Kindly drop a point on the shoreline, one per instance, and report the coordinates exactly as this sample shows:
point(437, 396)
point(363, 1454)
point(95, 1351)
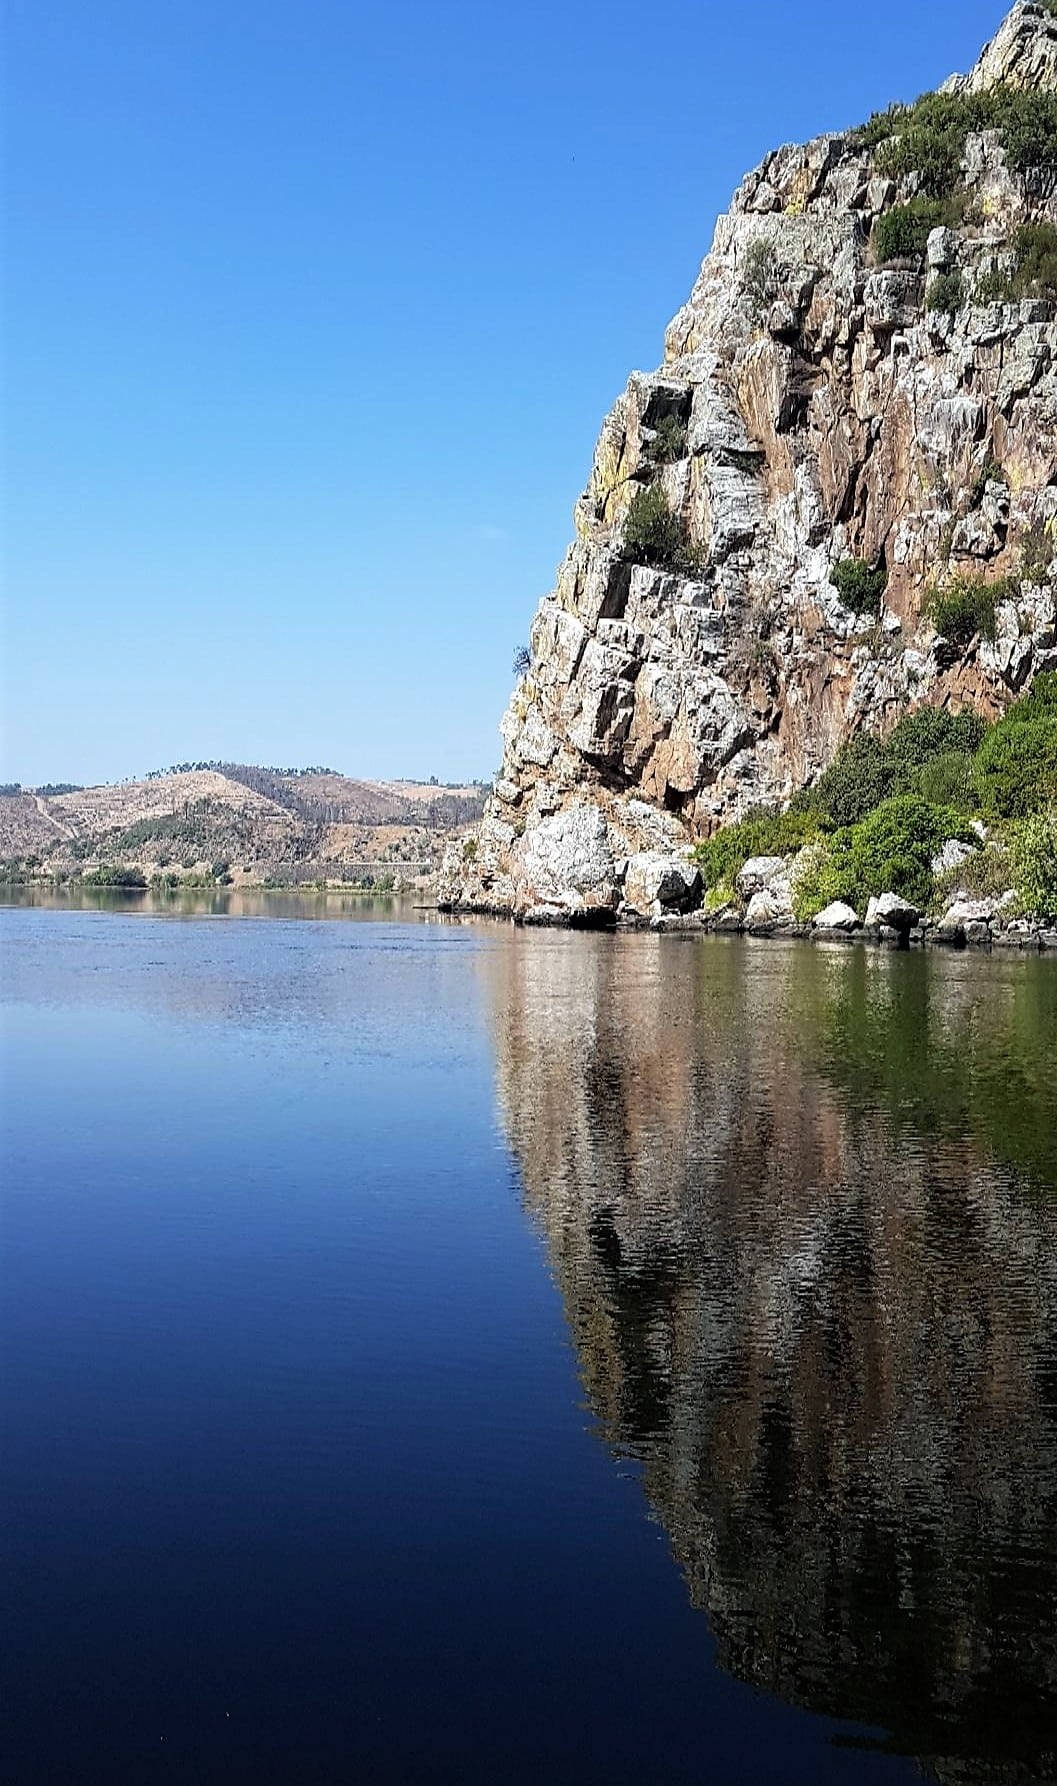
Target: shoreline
point(1012, 936)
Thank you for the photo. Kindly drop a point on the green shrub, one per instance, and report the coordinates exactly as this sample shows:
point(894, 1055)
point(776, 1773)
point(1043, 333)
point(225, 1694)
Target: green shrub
point(1015, 768)
point(946, 293)
point(1040, 702)
point(1034, 859)
point(891, 851)
point(866, 770)
point(963, 606)
point(930, 732)
point(860, 588)
point(1035, 260)
point(995, 287)
point(928, 138)
point(766, 831)
point(668, 445)
point(947, 781)
point(759, 275)
point(818, 880)
point(858, 779)
point(902, 232)
point(653, 534)
point(114, 875)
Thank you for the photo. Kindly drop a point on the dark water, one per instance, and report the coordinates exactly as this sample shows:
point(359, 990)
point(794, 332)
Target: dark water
point(448, 1354)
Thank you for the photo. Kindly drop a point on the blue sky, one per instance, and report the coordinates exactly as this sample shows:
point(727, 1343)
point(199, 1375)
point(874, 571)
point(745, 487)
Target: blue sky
point(312, 313)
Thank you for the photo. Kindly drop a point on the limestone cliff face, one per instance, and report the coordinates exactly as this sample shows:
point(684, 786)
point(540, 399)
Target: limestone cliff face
point(811, 408)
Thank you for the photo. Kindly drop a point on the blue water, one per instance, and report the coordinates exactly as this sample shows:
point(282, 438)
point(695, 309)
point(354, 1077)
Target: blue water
point(306, 1465)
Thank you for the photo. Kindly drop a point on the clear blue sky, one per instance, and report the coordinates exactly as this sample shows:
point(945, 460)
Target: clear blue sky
point(313, 311)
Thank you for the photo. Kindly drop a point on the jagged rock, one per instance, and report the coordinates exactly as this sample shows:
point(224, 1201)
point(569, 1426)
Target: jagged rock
point(889, 912)
point(654, 884)
point(761, 872)
point(951, 856)
point(813, 410)
point(768, 907)
point(837, 917)
point(568, 862)
point(963, 915)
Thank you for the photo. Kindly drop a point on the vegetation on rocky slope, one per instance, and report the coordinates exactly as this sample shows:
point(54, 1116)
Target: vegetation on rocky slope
point(878, 818)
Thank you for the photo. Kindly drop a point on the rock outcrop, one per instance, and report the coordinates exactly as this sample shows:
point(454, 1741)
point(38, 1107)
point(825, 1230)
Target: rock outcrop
point(815, 405)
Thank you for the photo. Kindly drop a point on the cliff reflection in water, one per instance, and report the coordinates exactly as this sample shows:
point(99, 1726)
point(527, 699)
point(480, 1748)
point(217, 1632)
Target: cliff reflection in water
point(801, 1208)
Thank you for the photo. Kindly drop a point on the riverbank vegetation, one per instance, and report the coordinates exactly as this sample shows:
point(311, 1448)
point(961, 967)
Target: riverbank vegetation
point(881, 817)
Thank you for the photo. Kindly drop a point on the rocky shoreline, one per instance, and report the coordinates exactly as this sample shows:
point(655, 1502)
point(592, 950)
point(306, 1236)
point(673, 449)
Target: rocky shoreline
point(972, 925)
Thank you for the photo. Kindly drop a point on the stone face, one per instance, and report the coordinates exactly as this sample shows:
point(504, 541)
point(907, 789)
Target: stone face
point(889, 912)
point(816, 410)
point(654, 884)
point(837, 916)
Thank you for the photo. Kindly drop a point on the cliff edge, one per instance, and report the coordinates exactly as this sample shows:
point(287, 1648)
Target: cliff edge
point(851, 445)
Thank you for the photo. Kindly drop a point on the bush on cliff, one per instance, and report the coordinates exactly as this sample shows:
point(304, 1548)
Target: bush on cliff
point(1034, 858)
point(902, 232)
point(766, 831)
point(1015, 769)
point(860, 588)
point(964, 606)
point(867, 770)
point(890, 851)
point(654, 534)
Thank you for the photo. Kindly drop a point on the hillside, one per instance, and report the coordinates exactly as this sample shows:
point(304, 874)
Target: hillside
point(832, 506)
point(236, 821)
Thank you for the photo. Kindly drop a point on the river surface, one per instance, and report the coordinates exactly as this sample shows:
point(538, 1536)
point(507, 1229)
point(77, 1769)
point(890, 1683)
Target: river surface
point(434, 1352)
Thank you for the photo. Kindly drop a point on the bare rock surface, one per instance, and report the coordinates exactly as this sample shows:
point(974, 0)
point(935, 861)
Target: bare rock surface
point(811, 407)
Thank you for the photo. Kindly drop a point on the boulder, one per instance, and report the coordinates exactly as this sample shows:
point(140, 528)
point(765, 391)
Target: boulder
point(837, 917)
point(760, 872)
point(889, 912)
point(567, 861)
point(952, 927)
point(655, 884)
point(766, 909)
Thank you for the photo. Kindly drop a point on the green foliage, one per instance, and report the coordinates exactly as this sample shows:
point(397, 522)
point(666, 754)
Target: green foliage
point(1032, 273)
point(653, 534)
point(1034, 858)
point(890, 851)
point(1035, 260)
point(928, 138)
point(767, 831)
point(946, 293)
point(902, 232)
point(947, 781)
point(668, 445)
point(1016, 765)
point(759, 275)
point(114, 875)
point(860, 588)
point(995, 287)
point(867, 771)
point(963, 606)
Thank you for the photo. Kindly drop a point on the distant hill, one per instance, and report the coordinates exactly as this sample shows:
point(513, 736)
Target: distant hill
point(235, 822)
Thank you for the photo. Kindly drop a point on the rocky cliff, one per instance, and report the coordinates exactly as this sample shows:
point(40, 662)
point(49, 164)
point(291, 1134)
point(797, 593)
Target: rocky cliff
point(834, 393)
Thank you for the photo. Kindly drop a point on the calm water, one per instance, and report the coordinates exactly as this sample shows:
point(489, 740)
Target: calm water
point(438, 1353)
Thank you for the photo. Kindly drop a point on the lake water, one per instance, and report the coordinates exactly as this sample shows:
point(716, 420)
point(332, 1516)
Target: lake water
point(443, 1353)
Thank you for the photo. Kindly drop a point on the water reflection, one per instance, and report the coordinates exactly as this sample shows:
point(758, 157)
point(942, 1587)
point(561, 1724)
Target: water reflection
point(801, 1208)
point(215, 902)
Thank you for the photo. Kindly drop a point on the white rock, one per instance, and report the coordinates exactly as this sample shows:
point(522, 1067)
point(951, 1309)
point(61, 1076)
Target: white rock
point(654, 884)
point(759, 872)
point(889, 912)
point(836, 916)
point(951, 856)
